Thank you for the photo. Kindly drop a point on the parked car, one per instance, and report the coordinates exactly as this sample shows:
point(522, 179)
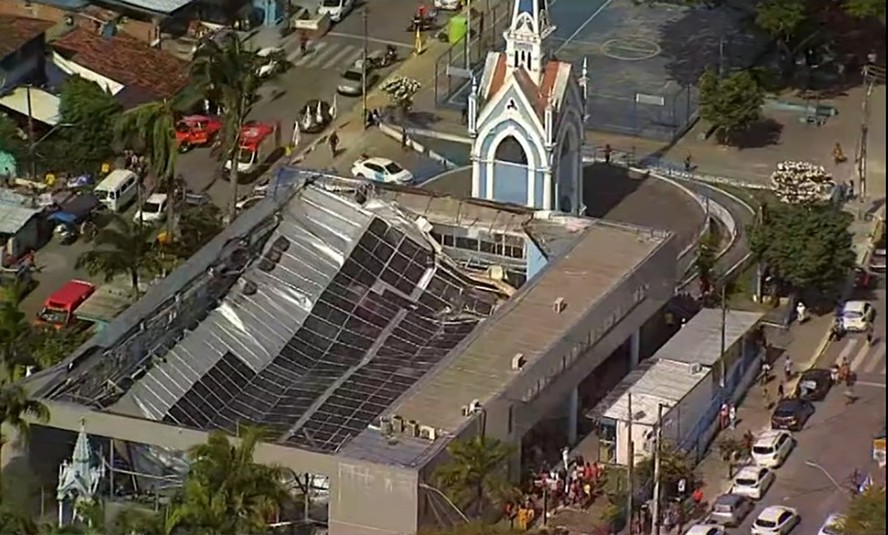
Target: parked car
point(775, 520)
point(153, 210)
point(352, 82)
point(449, 5)
point(753, 482)
point(772, 448)
point(730, 510)
point(270, 62)
point(381, 170)
point(791, 414)
point(877, 258)
point(248, 202)
point(705, 529)
point(814, 384)
point(196, 131)
point(336, 9)
point(857, 315)
point(831, 525)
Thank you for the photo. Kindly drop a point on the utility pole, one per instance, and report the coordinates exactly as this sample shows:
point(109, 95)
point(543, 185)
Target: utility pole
point(630, 496)
point(658, 435)
point(468, 34)
point(364, 17)
point(869, 78)
point(32, 143)
point(724, 334)
point(721, 57)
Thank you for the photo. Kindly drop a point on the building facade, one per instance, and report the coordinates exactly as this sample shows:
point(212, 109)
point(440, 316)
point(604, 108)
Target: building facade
point(526, 119)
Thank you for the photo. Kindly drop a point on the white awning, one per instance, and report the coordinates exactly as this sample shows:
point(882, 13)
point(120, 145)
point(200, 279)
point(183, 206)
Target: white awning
point(44, 106)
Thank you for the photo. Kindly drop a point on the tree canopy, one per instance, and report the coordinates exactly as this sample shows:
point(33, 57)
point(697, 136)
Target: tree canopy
point(781, 18)
point(808, 246)
point(476, 472)
point(866, 9)
point(11, 140)
point(731, 104)
point(90, 114)
point(123, 248)
point(866, 514)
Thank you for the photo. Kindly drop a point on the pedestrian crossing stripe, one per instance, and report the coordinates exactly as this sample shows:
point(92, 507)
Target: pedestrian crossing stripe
point(866, 359)
point(323, 55)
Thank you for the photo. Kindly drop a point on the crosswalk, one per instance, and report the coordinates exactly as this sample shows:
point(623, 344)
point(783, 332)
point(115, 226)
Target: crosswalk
point(326, 56)
point(864, 358)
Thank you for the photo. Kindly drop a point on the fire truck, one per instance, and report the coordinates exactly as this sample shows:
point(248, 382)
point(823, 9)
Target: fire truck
point(258, 142)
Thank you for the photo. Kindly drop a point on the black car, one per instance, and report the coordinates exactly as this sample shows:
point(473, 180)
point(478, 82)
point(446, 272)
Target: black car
point(814, 384)
point(315, 116)
point(791, 414)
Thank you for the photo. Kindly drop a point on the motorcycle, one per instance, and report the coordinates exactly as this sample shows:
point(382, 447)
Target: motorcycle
point(422, 23)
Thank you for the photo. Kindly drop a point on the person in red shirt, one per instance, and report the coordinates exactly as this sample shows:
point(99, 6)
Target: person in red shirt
point(697, 496)
point(421, 11)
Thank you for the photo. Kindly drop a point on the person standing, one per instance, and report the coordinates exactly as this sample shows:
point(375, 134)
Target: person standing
point(732, 416)
point(869, 335)
point(607, 153)
point(334, 143)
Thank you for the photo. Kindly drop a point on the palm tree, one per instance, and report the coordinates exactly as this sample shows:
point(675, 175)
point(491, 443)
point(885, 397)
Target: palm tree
point(228, 73)
point(476, 472)
point(14, 332)
point(226, 491)
point(152, 127)
point(16, 408)
point(122, 248)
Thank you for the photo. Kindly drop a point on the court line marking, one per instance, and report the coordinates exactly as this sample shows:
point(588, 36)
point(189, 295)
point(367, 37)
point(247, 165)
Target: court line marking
point(582, 27)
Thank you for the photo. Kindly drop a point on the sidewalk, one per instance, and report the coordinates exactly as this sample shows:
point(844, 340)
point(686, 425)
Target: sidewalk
point(809, 340)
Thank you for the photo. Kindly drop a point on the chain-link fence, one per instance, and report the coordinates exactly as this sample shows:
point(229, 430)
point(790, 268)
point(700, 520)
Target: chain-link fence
point(662, 116)
point(454, 67)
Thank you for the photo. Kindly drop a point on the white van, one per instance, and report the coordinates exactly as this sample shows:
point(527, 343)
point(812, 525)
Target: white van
point(118, 189)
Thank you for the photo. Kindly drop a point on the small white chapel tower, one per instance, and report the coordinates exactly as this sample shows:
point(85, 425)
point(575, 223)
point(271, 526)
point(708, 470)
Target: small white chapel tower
point(526, 118)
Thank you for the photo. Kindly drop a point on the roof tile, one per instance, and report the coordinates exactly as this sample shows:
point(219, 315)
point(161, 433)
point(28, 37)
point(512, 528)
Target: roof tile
point(15, 32)
point(148, 71)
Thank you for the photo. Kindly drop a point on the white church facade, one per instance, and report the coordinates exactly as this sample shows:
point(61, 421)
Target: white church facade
point(526, 119)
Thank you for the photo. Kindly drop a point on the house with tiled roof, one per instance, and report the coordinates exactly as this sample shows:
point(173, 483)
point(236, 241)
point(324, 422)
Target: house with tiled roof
point(22, 42)
point(526, 118)
point(130, 69)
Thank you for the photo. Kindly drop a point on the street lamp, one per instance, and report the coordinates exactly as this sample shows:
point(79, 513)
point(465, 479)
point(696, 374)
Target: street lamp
point(832, 480)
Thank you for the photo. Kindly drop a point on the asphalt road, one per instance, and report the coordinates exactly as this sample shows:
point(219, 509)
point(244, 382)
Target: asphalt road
point(837, 438)
point(314, 75)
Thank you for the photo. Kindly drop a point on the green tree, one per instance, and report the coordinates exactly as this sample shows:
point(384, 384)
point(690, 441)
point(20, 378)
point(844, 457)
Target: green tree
point(123, 248)
point(732, 451)
point(228, 73)
point(674, 466)
point(808, 246)
point(90, 114)
point(11, 140)
point(151, 127)
point(782, 19)
point(226, 491)
point(197, 226)
point(48, 346)
point(401, 91)
point(16, 408)
point(475, 528)
point(476, 472)
point(866, 514)
point(731, 104)
point(14, 333)
point(707, 256)
point(865, 9)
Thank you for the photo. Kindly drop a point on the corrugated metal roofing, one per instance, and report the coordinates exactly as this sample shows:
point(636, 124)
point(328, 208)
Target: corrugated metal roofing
point(652, 383)
point(13, 218)
point(700, 339)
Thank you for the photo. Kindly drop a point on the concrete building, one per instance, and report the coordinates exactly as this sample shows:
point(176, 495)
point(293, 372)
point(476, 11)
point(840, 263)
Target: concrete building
point(333, 314)
point(19, 232)
point(22, 50)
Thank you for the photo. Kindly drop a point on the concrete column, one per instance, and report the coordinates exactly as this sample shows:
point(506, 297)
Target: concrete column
point(634, 348)
point(573, 410)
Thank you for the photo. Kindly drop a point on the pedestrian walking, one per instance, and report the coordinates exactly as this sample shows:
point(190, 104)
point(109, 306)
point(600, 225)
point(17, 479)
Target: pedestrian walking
point(839, 154)
point(869, 335)
point(780, 391)
point(303, 43)
point(724, 415)
point(607, 153)
point(688, 165)
point(334, 143)
point(732, 416)
point(403, 138)
point(787, 368)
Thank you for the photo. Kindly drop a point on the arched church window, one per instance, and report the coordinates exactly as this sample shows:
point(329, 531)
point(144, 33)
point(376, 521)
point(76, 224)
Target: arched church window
point(510, 150)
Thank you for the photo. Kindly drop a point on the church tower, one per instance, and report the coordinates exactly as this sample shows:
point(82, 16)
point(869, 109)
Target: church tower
point(526, 119)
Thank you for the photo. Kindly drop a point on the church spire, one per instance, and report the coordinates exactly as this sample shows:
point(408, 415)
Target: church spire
point(526, 36)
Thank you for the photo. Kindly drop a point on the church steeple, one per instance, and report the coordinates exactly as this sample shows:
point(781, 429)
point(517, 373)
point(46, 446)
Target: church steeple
point(526, 36)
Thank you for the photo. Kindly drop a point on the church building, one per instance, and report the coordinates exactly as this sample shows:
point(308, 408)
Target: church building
point(526, 118)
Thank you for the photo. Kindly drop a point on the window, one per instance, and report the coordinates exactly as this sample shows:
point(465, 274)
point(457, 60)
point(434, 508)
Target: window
point(466, 243)
point(488, 247)
point(393, 168)
point(373, 167)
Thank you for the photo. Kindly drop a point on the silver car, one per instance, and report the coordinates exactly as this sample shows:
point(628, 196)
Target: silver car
point(352, 84)
point(730, 509)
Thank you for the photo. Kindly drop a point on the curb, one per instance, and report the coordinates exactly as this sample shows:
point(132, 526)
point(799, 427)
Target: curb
point(395, 134)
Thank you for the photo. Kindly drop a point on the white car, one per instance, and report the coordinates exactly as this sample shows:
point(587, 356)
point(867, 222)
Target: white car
point(830, 525)
point(753, 482)
point(705, 529)
point(336, 9)
point(448, 5)
point(248, 202)
point(269, 63)
point(857, 316)
point(153, 210)
point(775, 520)
point(772, 448)
point(381, 170)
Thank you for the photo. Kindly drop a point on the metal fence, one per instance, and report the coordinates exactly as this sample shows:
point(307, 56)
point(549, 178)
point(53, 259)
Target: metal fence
point(634, 113)
point(453, 68)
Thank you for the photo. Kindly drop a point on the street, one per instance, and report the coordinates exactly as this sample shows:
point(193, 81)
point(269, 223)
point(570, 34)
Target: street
point(867, 362)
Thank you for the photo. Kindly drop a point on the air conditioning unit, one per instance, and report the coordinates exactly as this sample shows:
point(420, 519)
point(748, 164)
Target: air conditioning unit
point(518, 362)
point(559, 305)
point(428, 432)
point(385, 426)
point(397, 424)
point(411, 428)
point(694, 368)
